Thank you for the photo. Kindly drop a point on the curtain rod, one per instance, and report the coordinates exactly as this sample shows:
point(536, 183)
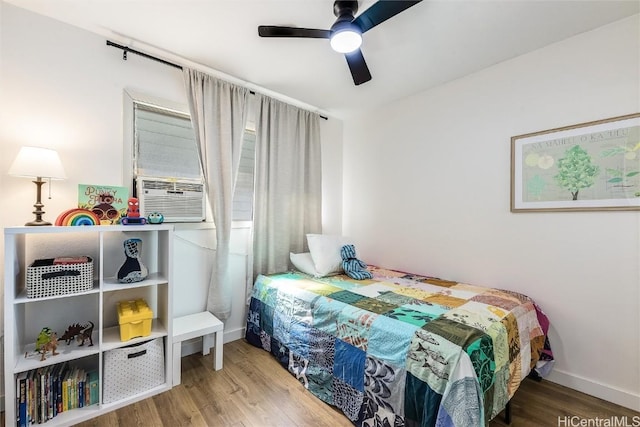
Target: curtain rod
point(127, 49)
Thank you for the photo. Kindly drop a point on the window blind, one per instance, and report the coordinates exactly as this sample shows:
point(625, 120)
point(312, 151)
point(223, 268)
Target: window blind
point(165, 145)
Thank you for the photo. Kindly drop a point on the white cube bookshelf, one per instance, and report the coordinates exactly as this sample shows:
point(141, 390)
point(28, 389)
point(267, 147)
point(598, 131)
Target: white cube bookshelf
point(25, 317)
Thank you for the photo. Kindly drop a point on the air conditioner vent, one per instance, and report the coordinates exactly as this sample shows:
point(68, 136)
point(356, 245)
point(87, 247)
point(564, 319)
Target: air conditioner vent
point(177, 201)
point(187, 186)
point(157, 185)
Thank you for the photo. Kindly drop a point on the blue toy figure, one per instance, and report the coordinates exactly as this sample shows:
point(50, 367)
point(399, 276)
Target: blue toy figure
point(352, 266)
point(155, 218)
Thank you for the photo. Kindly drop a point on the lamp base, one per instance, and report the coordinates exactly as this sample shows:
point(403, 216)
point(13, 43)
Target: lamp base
point(38, 222)
point(38, 205)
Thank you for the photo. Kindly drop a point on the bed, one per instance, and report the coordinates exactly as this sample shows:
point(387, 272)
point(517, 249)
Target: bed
point(400, 349)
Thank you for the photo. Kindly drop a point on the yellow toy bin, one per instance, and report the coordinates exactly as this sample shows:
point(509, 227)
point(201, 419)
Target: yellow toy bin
point(134, 318)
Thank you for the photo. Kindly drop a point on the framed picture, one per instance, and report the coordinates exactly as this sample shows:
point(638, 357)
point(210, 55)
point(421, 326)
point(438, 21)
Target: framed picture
point(586, 167)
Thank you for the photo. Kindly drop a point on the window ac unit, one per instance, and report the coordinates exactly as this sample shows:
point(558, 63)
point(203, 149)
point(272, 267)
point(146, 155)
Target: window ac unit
point(177, 201)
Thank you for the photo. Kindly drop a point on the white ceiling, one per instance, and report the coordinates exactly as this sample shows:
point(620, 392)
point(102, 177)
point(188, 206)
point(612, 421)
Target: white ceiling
point(429, 44)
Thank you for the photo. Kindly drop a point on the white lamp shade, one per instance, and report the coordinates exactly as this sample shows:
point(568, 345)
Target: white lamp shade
point(33, 162)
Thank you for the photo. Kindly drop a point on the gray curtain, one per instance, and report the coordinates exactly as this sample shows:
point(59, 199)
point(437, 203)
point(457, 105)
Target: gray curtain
point(218, 113)
point(288, 188)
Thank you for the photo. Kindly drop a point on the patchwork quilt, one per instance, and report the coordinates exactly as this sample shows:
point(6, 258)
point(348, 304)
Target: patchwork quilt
point(400, 349)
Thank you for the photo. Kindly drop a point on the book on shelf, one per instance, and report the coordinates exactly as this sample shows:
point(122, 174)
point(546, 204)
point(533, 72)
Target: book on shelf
point(42, 396)
point(31, 396)
point(61, 388)
point(81, 384)
point(94, 387)
point(108, 202)
point(21, 394)
point(69, 380)
point(56, 394)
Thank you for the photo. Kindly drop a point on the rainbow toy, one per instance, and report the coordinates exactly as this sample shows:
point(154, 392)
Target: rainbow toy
point(74, 217)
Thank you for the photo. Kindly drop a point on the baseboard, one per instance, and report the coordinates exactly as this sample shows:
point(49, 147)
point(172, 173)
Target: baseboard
point(234, 335)
point(606, 392)
point(195, 345)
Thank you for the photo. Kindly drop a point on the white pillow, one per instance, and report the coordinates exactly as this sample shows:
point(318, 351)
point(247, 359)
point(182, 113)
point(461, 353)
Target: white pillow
point(325, 252)
point(303, 262)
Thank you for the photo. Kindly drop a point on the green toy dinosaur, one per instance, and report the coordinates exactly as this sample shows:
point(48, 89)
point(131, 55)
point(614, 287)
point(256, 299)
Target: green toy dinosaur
point(43, 337)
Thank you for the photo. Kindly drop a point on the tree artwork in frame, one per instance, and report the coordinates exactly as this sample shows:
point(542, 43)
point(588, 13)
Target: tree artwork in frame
point(586, 167)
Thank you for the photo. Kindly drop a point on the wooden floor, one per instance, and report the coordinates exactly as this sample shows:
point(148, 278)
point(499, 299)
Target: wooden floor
point(254, 390)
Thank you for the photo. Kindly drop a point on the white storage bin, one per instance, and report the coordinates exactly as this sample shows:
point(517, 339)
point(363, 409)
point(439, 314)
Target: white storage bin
point(46, 279)
point(133, 369)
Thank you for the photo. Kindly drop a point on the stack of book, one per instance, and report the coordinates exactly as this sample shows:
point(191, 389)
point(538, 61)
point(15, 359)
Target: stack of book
point(43, 393)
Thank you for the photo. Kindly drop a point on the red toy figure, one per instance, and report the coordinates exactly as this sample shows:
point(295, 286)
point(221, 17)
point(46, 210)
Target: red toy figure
point(133, 209)
point(133, 213)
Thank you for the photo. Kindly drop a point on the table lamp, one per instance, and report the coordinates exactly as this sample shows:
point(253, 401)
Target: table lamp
point(38, 163)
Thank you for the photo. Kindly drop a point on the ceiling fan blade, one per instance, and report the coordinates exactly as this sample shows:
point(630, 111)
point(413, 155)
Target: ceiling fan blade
point(358, 66)
point(380, 12)
point(275, 31)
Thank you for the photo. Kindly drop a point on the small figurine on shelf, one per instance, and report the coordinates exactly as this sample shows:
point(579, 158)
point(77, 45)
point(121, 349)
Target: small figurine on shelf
point(155, 218)
point(80, 332)
point(133, 270)
point(43, 337)
point(85, 334)
point(46, 341)
point(71, 332)
point(133, 213)
point(51, 345)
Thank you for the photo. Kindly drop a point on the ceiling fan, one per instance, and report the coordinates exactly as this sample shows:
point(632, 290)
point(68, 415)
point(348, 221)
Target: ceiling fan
point(346, 33)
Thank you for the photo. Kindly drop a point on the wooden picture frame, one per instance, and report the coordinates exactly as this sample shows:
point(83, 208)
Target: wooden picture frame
point(590, 166)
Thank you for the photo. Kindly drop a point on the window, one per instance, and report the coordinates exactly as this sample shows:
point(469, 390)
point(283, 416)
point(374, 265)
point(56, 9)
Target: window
point(162, 147)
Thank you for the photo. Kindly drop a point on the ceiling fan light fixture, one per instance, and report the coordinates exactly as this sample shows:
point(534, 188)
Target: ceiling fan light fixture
point(345, 34)
point(345, 37)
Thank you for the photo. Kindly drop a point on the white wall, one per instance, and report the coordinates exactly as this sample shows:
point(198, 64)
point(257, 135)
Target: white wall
point(62, 88)
point(331, 131)
point(427, 185)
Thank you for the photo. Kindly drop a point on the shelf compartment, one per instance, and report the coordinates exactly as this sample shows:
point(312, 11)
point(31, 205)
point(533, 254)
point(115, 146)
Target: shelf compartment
point(68, 400)
point(153, 251)
point(133, 369)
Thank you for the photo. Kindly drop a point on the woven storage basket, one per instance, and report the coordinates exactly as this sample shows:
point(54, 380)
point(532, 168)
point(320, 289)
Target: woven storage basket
point(133, 369)
point(44, 279)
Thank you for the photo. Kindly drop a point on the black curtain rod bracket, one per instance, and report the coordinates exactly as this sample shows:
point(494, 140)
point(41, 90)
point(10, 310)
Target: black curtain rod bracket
point(126, 49)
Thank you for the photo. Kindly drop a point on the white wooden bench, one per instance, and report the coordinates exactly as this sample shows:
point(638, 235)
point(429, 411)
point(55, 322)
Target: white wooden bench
point(204, 325)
